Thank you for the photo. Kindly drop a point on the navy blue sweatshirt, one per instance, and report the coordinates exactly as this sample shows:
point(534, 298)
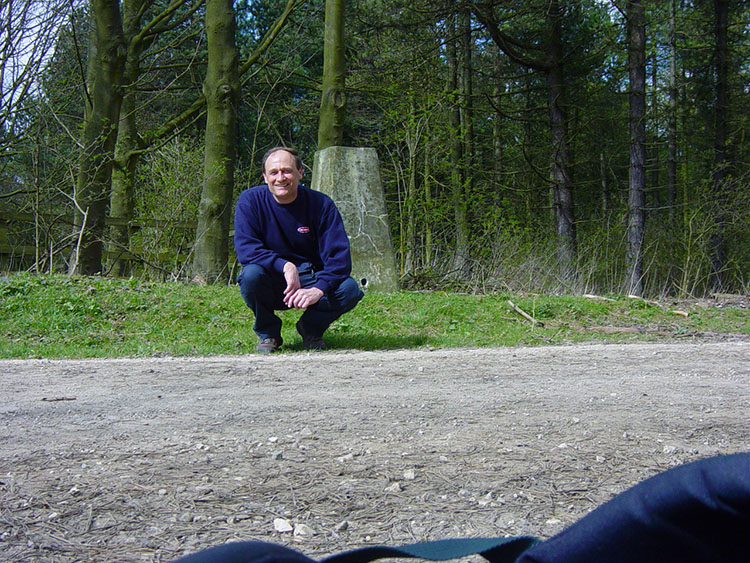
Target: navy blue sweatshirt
point(309, 229)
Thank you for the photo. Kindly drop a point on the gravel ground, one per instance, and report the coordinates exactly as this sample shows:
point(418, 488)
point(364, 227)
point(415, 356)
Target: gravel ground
point(150, 459)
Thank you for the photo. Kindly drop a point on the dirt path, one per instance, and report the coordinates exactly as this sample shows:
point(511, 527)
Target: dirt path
point(149, 459)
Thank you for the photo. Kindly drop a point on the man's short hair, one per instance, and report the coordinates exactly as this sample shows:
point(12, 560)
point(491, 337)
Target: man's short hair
point(293, 152)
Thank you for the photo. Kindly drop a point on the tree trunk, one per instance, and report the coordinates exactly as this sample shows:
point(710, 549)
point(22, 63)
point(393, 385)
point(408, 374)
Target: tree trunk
point(603, 173)
point(465, 138)
point(106, 63)
point(456, 146)
point(427, 191)
point(221, 90)
point(412, 137)
point(333, 100)
point(410, 207)
point(672, 143)
point(122, 198)
point(672, 117)
point(467, 98)
point(497, 129)
point(637, 175)
point(653, 163)
point(717, 241)
point(561, 177)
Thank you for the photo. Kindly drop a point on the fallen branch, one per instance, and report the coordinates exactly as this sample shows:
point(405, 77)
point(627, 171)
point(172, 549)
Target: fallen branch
point(524, 314)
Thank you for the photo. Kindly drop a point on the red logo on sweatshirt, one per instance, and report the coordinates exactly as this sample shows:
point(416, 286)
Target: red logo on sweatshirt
point(303, 230)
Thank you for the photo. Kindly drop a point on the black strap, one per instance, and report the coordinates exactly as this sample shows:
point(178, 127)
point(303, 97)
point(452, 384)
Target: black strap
point(495, 550)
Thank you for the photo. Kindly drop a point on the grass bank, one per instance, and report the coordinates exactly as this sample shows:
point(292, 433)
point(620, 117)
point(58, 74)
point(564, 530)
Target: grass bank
point(79, 317)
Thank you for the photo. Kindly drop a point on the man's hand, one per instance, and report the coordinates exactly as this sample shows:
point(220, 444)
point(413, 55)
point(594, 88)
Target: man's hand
point(294, 295)
point(291, 275)
point(303, 298)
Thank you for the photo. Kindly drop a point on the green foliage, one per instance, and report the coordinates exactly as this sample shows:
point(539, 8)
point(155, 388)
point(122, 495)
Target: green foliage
point(280, 98)
point(78, 317)
point(400, 101)
point(166, 205)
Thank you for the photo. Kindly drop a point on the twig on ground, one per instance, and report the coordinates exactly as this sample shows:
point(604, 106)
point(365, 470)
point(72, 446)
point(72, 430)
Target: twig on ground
point(524, 314)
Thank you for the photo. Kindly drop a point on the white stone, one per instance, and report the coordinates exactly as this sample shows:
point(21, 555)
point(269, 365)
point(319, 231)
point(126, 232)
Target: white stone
point(303, 530)
point(282, 525)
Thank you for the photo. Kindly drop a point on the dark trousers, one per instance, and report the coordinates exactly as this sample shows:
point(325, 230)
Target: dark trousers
point(263, 292)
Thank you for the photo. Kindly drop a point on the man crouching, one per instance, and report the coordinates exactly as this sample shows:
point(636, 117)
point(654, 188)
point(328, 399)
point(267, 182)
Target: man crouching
point(294, 253)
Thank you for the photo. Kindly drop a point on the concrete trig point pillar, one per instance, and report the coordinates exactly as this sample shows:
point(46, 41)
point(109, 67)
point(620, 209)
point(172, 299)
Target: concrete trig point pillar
point(351, 177)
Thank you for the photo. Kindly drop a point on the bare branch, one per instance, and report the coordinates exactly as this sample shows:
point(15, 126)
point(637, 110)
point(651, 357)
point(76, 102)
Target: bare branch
point(27, 37)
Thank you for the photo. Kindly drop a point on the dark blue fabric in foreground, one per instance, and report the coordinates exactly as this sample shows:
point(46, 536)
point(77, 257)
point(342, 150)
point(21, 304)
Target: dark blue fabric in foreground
point(699, 512)
point(495, 550)
point(247, 552)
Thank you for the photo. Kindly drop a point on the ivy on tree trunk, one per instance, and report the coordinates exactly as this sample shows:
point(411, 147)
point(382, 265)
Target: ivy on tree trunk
point(333, 101)
point(106, 62)
point(221, 90)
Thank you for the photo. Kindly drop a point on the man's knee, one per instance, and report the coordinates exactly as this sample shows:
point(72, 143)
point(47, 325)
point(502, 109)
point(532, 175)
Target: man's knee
point(255, 283)
point(251, 276)
point(349, 293)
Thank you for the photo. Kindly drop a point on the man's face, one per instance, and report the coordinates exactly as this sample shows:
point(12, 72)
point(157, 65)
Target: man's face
point(282, 176)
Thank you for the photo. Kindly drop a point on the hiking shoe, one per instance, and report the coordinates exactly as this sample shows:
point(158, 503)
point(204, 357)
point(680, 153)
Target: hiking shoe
point(268, 345)
point(310, 341)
